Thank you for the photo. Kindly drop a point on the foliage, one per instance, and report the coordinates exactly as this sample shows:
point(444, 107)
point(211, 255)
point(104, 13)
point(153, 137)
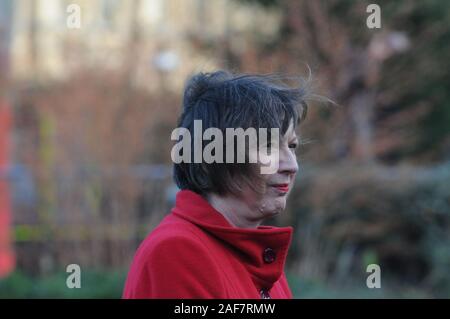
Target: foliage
point(94, 284)
point(351, 216)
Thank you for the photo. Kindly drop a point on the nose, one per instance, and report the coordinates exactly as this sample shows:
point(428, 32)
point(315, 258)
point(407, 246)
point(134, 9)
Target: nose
point(287, 162)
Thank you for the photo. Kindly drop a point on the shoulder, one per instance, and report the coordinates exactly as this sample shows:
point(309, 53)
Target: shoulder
point(174, 240)
point(174, 263)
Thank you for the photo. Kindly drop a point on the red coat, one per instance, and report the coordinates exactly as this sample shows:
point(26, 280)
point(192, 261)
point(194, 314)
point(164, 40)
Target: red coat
point(196, 253)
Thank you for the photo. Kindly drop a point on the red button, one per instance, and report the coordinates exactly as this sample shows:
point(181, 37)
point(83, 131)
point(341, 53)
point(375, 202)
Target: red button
point(269, 255)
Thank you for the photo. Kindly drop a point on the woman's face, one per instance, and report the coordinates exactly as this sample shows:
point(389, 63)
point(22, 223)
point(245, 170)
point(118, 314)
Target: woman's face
point(276, 186)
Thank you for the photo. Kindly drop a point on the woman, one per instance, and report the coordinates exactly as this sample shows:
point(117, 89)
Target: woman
point(212, 244)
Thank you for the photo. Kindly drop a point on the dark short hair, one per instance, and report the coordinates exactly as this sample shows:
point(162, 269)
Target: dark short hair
point(224, 100)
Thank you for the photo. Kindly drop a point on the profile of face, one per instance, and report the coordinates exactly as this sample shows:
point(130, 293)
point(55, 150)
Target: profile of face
point(277, 186)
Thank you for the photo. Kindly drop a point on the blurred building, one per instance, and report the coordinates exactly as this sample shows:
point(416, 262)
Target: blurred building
point(156, 42)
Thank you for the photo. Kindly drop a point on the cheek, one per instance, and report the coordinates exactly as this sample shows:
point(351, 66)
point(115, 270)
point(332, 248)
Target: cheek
point(291, 185)
point(268, 163)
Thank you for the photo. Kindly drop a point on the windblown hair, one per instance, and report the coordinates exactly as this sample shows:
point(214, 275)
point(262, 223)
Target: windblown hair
point(224, 100)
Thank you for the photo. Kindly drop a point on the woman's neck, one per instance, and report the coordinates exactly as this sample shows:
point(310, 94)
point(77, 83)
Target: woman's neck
point(235, 211)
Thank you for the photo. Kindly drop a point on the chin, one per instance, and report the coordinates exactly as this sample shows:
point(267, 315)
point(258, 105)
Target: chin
point(278, 206)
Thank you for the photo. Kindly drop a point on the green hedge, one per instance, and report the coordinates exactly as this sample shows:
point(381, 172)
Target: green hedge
point(94, 284)
point(349, 216)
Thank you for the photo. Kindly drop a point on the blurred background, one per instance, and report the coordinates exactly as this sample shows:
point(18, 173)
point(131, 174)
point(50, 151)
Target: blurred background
point(86, 115)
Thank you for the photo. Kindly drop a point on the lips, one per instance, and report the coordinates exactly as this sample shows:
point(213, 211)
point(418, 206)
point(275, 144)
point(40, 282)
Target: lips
point(284, 188)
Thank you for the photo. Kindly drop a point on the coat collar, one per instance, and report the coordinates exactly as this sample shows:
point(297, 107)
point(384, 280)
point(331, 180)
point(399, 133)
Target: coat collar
point(250, 244)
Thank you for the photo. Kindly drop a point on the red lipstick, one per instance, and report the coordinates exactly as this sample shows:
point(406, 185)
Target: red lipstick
point(284, 188)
